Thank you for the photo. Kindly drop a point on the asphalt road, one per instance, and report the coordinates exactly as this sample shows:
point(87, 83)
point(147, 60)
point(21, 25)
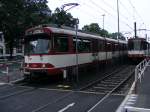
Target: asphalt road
point(27, 99)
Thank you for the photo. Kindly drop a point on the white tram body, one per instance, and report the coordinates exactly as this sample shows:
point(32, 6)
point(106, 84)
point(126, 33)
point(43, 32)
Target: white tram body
point(52, 50)
point(138, 48)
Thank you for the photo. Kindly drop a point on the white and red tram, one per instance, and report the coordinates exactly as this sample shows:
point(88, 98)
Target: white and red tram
point(138, 49)
point(53, 50)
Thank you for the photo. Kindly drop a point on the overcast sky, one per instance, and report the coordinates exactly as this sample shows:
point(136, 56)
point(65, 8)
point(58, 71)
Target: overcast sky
point(91, 11)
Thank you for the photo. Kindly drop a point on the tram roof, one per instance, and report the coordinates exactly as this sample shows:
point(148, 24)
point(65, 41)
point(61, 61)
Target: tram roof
point(137, 39)
point(71, 31)
point(82, 34)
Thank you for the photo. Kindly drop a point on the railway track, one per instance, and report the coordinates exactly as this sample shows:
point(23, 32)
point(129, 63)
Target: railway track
point(111, 82)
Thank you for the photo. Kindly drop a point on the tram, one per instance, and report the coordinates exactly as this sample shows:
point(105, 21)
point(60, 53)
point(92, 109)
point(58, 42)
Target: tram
point(53, 50)
point(138, 49)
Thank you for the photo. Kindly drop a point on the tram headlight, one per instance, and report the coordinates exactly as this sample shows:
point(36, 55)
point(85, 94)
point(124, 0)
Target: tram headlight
point(43, 65)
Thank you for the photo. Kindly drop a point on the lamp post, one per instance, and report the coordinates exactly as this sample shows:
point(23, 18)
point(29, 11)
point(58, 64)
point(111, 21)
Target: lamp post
point(103, 20)
point(77, 72)
point(118, 28)
point(76, 35)
point(118, 18)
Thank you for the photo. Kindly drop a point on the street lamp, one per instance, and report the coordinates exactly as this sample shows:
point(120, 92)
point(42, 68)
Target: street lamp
point(118, 18)
point(118, 27)
point(77, 72)
point(76, 31)
point(103, 20)
point(69, 4)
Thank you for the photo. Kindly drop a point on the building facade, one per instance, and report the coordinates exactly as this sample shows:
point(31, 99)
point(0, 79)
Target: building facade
point(4, 51)
point(2, 45)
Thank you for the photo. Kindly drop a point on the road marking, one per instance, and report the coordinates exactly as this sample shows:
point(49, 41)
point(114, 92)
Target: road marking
point(68, 106)
point(136, 109)
point(129, 103)
point(1, 83)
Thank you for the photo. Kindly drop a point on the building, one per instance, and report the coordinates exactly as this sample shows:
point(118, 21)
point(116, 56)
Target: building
point(2, 45)
point(4, 50)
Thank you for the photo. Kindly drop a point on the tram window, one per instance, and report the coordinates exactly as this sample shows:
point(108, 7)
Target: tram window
point(101, 45)
point(137, 44)
point(39, 45)
point(109, 45)
point(95, 45)
point(61, 44)
point(84, 45)
point(143, 45)
point(130, 45)
point(1, 51)
point(113, 47)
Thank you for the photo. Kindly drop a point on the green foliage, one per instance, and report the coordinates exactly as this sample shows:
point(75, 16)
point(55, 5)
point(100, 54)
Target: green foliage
point(115, 35)
point(61, 17)
point(18, 15)
point(94, 28)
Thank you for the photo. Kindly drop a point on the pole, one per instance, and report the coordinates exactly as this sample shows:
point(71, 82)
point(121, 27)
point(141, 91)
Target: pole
point(77, 72)
point(105, 37)
point(118, 28)
point(135, 30)
point(103, 20)
point(118, 19)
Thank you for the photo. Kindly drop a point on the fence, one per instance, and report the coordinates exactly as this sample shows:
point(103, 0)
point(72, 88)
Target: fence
point(139, 72)
point(10, 71)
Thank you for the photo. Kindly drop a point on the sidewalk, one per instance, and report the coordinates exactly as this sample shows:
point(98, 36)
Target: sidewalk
point(140, 101)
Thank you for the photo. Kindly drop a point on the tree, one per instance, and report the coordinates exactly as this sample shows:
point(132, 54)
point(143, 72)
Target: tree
point(61, 17)
point(104, 33)
point(18, 15)
point(115, 35)
point(94, 28)
point(36, 12)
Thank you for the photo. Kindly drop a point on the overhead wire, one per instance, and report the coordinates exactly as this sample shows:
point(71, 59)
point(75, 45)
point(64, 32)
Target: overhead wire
point(114, 9)
point(126, 9)
point(91, 6)
point(98, 6)
point(135, 10)
point(137, 13)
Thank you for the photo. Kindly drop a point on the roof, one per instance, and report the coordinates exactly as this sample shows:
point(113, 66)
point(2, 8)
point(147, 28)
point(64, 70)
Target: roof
point(137, 39)
point(73, 32)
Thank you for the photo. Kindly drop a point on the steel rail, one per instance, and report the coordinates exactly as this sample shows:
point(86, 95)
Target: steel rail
point(109, 93)
point(105, 76)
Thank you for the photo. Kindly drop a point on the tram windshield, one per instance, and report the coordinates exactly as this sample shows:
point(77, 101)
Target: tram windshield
point(137, 44)
point(37, 44)
point(134, 45)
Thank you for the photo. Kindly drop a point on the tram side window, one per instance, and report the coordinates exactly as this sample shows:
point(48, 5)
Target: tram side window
point(101, 45)
point(95, 46)
point(84, 45)
point(130, 45)
point(144, 44)
point(113, 47)
point(109, 46)
point(1, 51)
point(61, 44)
